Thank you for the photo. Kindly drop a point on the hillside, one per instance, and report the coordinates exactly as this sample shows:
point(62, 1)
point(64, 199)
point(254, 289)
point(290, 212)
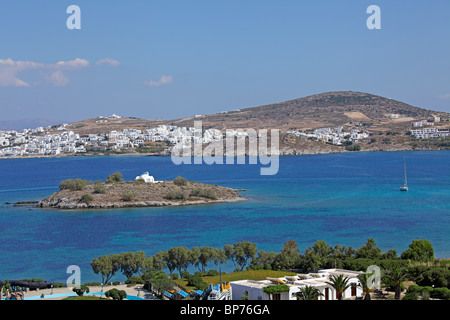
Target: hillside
point(329, 109)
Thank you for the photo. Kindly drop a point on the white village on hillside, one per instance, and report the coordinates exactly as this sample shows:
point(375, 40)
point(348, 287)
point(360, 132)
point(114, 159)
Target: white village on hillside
point(61, 140)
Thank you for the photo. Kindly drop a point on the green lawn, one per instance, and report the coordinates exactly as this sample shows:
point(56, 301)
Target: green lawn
point(242, 275)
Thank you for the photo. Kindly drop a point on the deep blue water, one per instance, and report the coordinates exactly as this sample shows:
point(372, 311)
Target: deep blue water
point(339, 198)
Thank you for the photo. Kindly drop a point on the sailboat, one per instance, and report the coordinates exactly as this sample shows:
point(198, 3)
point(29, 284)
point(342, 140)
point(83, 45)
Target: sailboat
point(405, 185)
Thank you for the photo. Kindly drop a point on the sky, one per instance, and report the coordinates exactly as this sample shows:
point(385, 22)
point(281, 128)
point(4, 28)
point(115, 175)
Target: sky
point(169, 59)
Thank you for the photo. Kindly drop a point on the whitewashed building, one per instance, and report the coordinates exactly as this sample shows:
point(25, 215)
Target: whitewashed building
point(254, 289)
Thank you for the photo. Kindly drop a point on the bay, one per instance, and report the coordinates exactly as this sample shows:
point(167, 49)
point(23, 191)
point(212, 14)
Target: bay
point(340, 198)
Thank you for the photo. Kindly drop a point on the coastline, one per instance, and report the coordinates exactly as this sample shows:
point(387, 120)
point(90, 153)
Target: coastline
point(128, 154)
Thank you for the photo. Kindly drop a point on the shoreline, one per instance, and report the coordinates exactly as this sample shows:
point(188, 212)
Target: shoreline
point(128, 154)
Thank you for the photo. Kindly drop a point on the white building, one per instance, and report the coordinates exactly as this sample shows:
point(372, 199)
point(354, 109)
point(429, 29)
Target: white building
point(254, 289)
point(147, 178)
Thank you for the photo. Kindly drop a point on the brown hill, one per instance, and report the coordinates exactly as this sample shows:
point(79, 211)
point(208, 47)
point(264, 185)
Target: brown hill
point(329, 109)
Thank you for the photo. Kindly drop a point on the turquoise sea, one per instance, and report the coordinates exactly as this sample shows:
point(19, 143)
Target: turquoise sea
point(339, 198)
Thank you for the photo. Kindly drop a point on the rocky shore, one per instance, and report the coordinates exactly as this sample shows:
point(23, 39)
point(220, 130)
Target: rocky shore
point(139, 194)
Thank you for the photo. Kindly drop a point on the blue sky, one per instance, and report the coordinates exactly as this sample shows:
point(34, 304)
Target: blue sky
point(170, 59)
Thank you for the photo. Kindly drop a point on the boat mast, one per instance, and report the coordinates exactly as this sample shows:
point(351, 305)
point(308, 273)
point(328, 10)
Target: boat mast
point(404, 165)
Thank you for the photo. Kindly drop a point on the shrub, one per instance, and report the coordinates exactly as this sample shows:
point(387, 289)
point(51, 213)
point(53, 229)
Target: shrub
point(180, 181)
point(73, 184)
point(114, 178)
point(87, 198)
point(99, 188)
point(411, 296)
point(175, 195)
point(440, 293)
point(353, 147)
point(116, 294)
point(127, 196)
point(197, 282)
point(81, 290)
point(174, 276)
point(204, 193)
point(212, 273)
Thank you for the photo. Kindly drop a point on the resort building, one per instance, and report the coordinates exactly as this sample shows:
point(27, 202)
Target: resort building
point(254, 289)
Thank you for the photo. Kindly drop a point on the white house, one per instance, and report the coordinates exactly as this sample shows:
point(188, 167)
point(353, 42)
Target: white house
point(147, 178)
point(254, 289)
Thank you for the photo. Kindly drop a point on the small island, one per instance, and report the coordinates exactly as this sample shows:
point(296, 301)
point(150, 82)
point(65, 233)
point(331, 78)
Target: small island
point(117, 193)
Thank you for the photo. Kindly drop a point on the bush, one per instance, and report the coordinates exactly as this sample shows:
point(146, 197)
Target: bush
point(81, 290)
point(180, 181)
point(99, 188)
point(175, 195)
point(87, 198)
point(114, 178)
point(353, 147)
point(173, 276)
point(411, 296)
point(204, 193)
point(440, 293)
point(116, 294)
point(197, 282)
point(127, 196)
point(212, 273)
point(73, 184)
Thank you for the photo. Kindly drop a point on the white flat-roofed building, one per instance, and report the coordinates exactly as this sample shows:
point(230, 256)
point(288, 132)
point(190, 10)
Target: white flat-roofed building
point(254, 289)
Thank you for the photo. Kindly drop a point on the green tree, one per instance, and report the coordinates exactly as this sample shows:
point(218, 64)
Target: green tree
point(394, 278)
point(241, 253)
point(419, 250)
point(365, 285)
point(179, 258)
point(114, 178)
point(73, 184)
point(87, 198)
point(107, 266)
point(339, 283)
point(207, 254)
point(81, 290)
point(369, 251)
point(289, 255)
point(132, 263)
point(99, 187)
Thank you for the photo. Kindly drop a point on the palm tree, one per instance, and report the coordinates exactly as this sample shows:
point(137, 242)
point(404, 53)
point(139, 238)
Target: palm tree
point(394, 278)
point(339, 284)
point(365, 285)
point(308, 293)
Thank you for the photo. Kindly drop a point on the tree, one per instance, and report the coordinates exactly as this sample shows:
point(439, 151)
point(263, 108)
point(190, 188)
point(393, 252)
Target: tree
point(73, 184)
point(308, 293)
point(132, 263)
point(369, 251)
point(180, 181)
point(365, 285)
point(99, 187)
point(419, 250)
point(339, 283)
point(87, 198)
point(114, 178)
point(394, 278)
point(179, 258)
point(81, 290)
point(241, 253)
point(289, 255)
point(207, 254)
point(219, 257)
point(107, 266)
